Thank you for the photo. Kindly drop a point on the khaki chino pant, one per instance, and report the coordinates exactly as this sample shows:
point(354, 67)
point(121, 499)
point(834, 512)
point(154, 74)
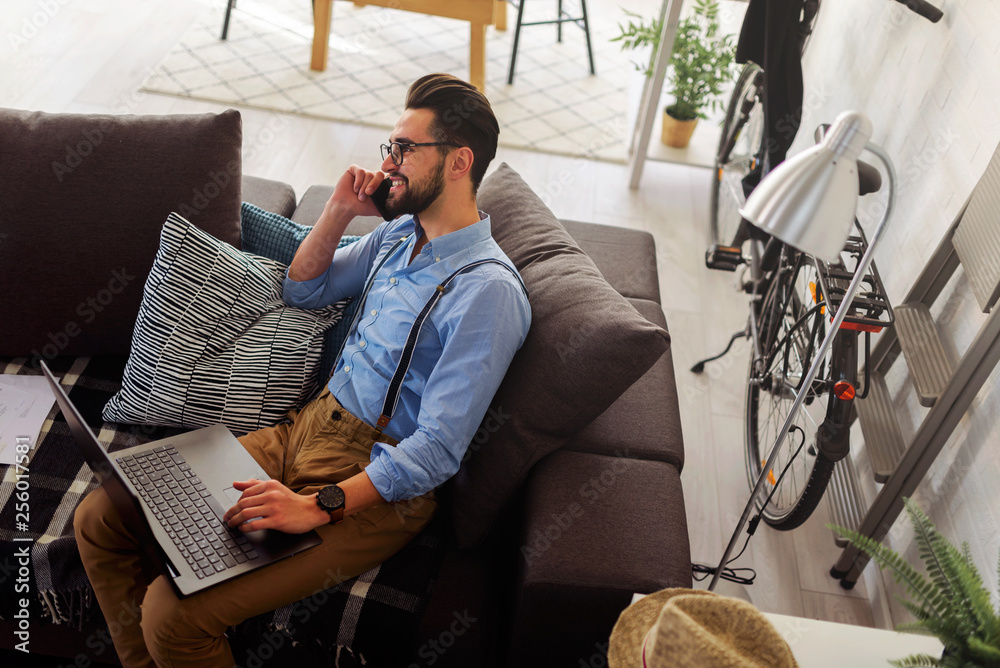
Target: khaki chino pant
point(151, 625)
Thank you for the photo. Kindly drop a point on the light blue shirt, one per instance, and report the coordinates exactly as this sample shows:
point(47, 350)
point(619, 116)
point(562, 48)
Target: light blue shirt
point(461, 356)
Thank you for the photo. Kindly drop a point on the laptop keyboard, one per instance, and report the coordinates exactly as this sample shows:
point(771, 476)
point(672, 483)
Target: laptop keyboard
point(187, 511)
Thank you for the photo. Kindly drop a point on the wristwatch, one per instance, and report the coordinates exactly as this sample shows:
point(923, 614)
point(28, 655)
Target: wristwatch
point(331, 500)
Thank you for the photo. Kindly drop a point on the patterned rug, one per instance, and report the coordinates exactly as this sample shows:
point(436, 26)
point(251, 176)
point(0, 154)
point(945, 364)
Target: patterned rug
point(554, 105)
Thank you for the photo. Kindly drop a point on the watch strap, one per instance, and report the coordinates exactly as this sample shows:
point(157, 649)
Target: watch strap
point(336, 515)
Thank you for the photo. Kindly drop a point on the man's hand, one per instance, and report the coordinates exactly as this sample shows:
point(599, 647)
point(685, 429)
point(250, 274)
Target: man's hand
point(350, 199)
point(351, 194)
point(277, 507)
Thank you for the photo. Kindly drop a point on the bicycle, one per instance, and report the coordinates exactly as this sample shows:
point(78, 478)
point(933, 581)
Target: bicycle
point(741, 158)
point(793, 299)
point(800, 295)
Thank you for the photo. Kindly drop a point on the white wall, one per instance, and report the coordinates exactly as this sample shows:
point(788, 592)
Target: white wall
point(932, 92)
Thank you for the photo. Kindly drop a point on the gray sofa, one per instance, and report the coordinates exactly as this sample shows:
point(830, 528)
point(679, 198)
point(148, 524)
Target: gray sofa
point(570, 501)
point(595, 521)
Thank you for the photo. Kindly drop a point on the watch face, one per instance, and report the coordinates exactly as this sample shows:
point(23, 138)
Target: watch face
point(331, 497)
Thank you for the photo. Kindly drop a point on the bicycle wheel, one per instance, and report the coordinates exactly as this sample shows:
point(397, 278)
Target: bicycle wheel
point(795, 331)
point(739, 153)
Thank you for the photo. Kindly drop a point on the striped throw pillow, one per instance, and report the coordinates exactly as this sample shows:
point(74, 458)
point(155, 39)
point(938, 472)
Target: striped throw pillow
point(272, 235)
point(214, 343)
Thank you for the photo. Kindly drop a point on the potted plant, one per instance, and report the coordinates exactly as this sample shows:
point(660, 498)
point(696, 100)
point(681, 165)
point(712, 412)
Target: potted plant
point(951, 603)
point(700, 65)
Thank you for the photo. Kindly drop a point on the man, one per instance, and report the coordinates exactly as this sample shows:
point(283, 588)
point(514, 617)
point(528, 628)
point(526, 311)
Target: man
point(332, 470)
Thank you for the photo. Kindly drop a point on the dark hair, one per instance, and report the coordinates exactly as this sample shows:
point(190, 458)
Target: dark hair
point(462, 115)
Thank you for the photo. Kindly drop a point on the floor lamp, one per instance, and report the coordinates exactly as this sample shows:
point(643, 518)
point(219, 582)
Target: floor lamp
point(809, 202)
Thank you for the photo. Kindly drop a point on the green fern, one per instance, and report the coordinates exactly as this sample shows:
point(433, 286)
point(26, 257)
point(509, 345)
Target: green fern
point(951, 602)
point(917, 661)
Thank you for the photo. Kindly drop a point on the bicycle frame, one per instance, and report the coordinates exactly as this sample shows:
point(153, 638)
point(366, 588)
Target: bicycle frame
point(772, 271)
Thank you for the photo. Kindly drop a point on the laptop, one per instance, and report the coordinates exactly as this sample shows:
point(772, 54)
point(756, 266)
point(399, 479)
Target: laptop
point(177, 490)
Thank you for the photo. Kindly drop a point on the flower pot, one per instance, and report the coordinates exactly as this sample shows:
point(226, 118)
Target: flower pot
point(677, 133)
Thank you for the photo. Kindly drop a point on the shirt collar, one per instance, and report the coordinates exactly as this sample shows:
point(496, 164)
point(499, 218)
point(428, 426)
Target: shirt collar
point(459, 240)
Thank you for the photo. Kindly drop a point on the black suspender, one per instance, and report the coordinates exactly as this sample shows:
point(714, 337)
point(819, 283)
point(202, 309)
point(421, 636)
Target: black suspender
point(396, 384)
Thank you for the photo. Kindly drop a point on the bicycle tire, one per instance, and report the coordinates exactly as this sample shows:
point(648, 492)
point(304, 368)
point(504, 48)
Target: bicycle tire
point(801, 327)
point(742, 132)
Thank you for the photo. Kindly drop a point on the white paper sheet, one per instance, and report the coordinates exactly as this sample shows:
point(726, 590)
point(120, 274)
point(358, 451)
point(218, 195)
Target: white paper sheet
point(25, 402)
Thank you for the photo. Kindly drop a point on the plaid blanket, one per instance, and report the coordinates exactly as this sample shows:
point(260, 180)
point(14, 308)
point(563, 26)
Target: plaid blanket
point(343, 625)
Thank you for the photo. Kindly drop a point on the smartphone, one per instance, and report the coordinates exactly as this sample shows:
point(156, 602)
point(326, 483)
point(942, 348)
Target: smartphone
point(379, 197)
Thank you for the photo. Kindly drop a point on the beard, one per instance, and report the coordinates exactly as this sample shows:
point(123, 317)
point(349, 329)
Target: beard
point(416, 198)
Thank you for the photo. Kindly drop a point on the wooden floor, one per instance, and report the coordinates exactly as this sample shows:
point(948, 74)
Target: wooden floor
point(92, 56)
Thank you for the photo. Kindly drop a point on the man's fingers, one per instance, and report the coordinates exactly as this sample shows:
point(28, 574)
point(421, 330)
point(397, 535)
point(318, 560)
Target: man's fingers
point(359, 180)
point(248, 500)
point(374, 182)
point(242, 515)
point(256, 525)
point(365, 182)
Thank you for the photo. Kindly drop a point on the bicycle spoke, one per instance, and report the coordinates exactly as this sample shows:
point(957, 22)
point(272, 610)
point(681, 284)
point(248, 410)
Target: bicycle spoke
point(791, 311)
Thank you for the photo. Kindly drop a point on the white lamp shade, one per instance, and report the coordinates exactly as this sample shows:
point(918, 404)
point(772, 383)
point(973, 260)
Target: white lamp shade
point(809, 200)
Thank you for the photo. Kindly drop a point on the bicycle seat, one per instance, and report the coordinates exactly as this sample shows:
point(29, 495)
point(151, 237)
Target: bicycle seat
point(869, 178)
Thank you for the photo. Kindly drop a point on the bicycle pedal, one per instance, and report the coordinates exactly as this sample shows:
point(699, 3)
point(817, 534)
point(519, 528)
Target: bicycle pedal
point(725, 258)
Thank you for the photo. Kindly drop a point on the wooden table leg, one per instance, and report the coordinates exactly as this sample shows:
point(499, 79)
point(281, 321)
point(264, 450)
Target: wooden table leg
point(322, 13)
point(500, 14)
point(477, 56)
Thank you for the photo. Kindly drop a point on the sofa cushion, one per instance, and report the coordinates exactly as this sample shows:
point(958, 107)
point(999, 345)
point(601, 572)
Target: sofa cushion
point(269, 195)
point(214, 343)
point(654, 398)
point(276, 237)
point(82, 201)
point(597, 529)
point(626, 258)
point(586, 346)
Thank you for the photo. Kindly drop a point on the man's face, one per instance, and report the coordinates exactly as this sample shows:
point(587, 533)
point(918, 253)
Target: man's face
point(419, 181)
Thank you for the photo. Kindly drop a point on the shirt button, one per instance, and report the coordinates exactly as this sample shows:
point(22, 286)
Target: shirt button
point(393, 280)
point(437, 259)
point(361, 344)
point(347, 369)
point(374, 312)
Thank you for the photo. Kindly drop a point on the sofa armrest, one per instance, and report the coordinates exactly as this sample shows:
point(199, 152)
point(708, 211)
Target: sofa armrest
point(596, 530)
point(273, 196)
point(625, 257)
point(311, 206)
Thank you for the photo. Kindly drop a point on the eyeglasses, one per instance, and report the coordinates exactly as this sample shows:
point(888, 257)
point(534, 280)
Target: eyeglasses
point(396, 148)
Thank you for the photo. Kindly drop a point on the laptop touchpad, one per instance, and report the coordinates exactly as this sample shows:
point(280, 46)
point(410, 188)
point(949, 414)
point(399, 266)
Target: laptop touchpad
point(234, 495)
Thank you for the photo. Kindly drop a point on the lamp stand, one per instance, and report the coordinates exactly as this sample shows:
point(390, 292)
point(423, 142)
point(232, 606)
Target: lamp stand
point(852, 290)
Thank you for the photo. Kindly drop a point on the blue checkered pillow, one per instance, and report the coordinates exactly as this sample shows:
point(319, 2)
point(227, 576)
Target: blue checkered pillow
point(276, 237)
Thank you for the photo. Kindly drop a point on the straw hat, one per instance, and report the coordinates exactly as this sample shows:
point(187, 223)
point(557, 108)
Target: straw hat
point(691, 628)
